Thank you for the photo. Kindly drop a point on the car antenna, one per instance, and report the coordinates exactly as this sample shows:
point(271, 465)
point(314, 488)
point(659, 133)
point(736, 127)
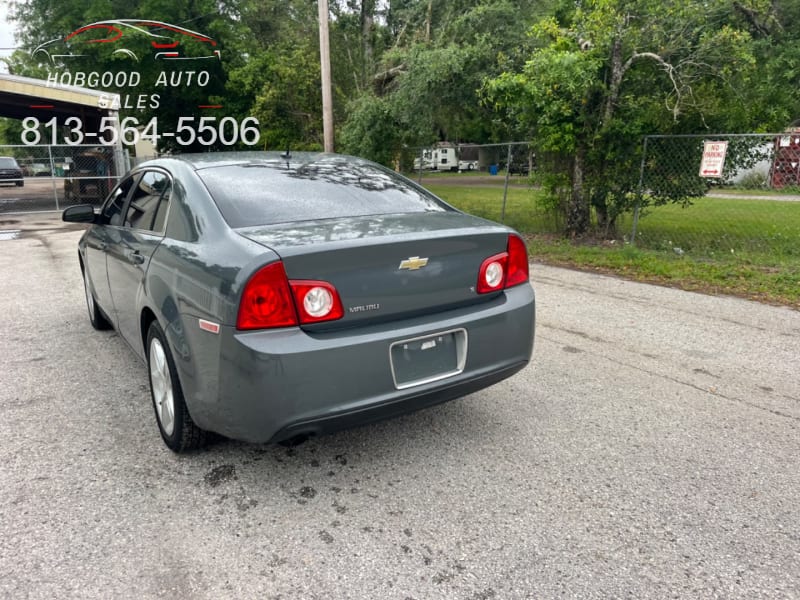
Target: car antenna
point(288, 154)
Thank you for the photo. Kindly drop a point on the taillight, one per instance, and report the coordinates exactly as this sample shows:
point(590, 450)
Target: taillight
point(492, 274)
point(518, 270)
point(506, 269)
point(270, 300)
point(316, 301)
point(266, 300)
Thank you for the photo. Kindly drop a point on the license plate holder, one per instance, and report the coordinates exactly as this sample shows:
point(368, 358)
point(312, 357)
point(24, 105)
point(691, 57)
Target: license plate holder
point(428, 358)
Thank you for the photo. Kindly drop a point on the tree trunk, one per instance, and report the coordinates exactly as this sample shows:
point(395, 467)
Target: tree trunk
point(428, 20)
point(606, 219)
point(578, 207)
point(601, 212)
point(605, 223)
point(614, 85)
point(367, 23)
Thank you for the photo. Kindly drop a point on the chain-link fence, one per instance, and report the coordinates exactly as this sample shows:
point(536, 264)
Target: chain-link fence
point(42, 178)
point(748, 208)
point(488, 180)
point(708, 196)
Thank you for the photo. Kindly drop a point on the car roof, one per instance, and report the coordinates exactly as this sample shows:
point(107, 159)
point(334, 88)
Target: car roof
point(207, 160)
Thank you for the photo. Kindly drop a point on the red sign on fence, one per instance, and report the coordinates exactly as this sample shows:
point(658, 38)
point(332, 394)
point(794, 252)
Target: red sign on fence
point(713, 159)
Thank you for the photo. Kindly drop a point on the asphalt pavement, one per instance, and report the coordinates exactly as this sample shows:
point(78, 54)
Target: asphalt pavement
point(650, 450)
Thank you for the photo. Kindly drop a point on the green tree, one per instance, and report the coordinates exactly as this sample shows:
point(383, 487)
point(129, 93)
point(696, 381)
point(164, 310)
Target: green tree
point(772, 98)
point(603, 74)
point(278, 77)
point(427, 82)
point(10, 131)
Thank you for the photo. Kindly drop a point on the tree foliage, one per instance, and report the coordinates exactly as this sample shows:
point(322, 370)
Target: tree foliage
point(582, 80)
point(606, 73)
point(427, 83)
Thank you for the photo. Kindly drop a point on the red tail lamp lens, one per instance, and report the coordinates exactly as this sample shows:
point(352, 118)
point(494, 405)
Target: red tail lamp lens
point(270, 300)
point(518, 270)
point(506, 269)
point(316, 301)
point(492, 274)
point(266, 300)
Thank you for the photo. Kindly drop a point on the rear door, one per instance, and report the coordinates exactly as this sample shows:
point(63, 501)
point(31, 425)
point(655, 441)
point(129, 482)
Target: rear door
point(141, 232)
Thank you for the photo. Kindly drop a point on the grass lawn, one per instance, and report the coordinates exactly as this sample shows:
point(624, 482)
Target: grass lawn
point(522, 212)
point(749, 248)
point(765, 229)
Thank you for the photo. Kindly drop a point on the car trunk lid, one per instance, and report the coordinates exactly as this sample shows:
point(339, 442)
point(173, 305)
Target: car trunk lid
point(390, 266)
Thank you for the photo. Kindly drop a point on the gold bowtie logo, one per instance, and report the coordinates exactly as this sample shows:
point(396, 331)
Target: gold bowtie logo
point(413, 263)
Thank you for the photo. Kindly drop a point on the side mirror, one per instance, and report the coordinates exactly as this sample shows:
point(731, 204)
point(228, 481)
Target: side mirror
point(80, 213)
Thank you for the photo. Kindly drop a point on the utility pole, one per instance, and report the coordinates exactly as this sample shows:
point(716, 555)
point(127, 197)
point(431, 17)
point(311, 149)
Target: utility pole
point(325, 68)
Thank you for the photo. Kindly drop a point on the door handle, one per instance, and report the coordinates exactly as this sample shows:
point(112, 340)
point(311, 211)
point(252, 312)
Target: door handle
point(137, 258)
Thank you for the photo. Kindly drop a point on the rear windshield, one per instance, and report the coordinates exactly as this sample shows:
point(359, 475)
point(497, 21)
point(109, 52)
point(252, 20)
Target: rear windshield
point(8, 163)
point(270, 192)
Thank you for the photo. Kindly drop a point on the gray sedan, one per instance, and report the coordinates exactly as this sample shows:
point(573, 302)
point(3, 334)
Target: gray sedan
point(275, 297)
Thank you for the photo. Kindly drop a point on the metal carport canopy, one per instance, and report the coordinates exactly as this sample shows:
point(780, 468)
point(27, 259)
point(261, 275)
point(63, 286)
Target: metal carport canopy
point(22, 97)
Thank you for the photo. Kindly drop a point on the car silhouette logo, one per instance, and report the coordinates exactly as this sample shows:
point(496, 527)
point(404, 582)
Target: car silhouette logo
point(132, 39)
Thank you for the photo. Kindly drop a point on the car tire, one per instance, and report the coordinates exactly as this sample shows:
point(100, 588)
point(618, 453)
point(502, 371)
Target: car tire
point(20, 183)
point(172, 416)
point(96, 316)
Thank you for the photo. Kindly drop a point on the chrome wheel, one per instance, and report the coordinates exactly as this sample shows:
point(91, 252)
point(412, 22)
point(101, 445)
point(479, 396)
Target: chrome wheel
point(172, 415)
point(161, 382)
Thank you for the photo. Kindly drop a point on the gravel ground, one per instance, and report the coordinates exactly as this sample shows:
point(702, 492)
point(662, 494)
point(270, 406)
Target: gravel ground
point(650, 450)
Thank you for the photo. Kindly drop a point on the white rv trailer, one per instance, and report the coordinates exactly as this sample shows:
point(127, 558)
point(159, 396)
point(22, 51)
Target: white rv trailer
point(444, 157)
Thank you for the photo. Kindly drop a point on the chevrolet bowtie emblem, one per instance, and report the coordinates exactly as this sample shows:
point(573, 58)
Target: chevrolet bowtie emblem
point(413, 263)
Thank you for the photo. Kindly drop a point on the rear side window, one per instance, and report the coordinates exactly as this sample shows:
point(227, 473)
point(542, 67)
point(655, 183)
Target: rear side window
point(273, 191)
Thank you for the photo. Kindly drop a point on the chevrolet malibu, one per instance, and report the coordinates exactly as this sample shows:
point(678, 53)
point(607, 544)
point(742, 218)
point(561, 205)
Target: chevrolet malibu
point(276, 296)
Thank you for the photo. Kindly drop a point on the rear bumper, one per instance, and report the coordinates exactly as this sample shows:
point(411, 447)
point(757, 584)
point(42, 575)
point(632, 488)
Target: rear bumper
point(277, 384)
point(394, 408)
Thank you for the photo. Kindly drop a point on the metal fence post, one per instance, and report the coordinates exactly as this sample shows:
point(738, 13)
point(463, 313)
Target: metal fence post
point(121, 165)
point(52, 175)
point(641, 192)
point(505, 186)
